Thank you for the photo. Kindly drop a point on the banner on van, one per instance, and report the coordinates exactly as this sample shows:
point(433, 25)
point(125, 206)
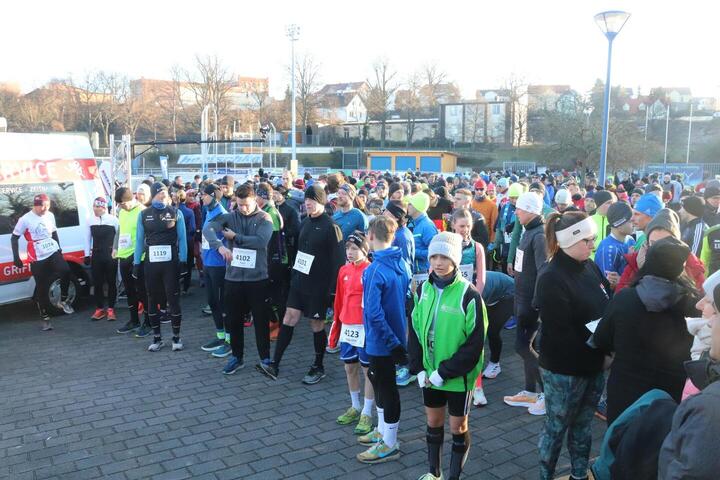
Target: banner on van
point(36, 171)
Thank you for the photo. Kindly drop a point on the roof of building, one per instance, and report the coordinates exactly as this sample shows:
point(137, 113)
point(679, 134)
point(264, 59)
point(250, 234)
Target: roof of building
point(544, 89)
point(341, 88)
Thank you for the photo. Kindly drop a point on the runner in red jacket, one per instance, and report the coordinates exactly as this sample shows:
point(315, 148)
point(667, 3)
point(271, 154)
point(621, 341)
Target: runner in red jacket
point(348, 328)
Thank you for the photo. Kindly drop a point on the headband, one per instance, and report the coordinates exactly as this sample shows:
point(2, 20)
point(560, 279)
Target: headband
point(571, 235)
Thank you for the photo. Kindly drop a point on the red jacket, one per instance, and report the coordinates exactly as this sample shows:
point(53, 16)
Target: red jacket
point(693, 267)
point(348, 299)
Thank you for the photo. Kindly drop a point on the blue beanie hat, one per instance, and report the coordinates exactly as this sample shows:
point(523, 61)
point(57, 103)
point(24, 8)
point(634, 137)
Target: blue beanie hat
point(649, 204)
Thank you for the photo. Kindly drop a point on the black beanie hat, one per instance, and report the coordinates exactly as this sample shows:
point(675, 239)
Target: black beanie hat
point(123, 194)
point(211, 189)
point(694, 205)
point(157, 187)
point(317, 193)
point(398, 210)
point(666, 258)
point(711, 191)
point(358, 239)
point(602, 197)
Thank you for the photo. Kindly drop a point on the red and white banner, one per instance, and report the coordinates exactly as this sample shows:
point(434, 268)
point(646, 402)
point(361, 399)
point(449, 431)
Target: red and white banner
point(39, 171)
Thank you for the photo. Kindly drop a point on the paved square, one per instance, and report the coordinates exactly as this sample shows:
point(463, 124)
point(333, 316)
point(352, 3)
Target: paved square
point(83, 402)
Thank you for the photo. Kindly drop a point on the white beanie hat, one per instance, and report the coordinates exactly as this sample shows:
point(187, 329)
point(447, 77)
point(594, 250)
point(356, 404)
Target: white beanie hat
point(709, 285)
point(447, 244)
point(563, 197)
point(530, 202)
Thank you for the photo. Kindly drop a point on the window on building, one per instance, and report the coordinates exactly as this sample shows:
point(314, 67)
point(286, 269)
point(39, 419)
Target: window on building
point(346, 132)
point(496, 109)
point(17, 200)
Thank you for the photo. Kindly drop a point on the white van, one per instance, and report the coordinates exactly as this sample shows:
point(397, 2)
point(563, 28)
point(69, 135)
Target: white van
point(63, 167)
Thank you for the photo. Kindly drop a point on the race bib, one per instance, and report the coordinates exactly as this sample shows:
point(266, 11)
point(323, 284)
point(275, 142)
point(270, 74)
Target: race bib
point(303, 262)
point(243, 258)
point(46, 247)
point(507, 238)
point(204, 244)
point(160, 253)
point(519, 254)
point(419, 278)
point(124, 241)
point(353, 335)
point(467, 271)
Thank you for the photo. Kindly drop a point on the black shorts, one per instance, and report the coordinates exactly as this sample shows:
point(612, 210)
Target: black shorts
point(458, 403)
point(313, 307)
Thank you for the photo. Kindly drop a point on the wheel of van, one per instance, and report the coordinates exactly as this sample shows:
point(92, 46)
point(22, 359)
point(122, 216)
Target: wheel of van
point(54, 294)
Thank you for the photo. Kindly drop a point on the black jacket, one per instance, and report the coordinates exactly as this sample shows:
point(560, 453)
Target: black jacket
point(291, 226)
point(479, 232)
point(693, 234)
point(645, 326)
point(569, 295)
point(532, 244)
point(321, 238)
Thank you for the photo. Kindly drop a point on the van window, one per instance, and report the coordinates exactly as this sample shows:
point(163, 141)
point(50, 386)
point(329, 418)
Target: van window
point(17, 200)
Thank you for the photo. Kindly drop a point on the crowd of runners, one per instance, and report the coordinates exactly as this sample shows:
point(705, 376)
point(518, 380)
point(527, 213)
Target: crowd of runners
point(410, 278)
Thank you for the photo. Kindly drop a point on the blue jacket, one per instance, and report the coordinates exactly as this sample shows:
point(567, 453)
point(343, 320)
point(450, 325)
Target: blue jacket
point(497, 286)
point(406, 243)
point(385, 284)
point(348, 222)
point(189, 217)
point(210, 256)
point(423, 232)
point(610, 254)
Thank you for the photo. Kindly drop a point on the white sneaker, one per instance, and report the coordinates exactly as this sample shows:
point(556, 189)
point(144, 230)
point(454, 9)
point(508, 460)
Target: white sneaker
point(65, 307)
point(479, 399)
point(176, 347)
point(156, 346)
point(539, 407)
point(522, 399)
point(492, 370)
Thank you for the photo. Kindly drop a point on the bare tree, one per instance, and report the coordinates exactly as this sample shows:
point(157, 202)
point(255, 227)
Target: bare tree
point(516, 88)
point(382, 89)
point(434, 78)
point(408, 101)
point(307, 74)
point(210, 84)
point(107, 97)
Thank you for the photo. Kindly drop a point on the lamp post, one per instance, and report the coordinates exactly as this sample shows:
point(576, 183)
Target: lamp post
point(610, 24)
point(293, 33)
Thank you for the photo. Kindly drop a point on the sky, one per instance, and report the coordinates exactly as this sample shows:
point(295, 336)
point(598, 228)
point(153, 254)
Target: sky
point(477, 43)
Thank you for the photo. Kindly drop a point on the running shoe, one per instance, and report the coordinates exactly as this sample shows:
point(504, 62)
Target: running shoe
point(538, 408)
point(379, 453)
point(98, 315)
point(177, 346)
point(492, 370)
point(46, 325)
point(403, 377)
point(222, 351)
point(111, 315)
point(156, 346)
point(128, 327)
point(364, 426)
point(510, 324)
point(207, 310)
point(430, 476)
point(65, 307)
point(212, 345)
point(314, 375)
point(479, 399)
point(143, 331)
point(371, 438)
point(232, 366)
point(350, 416)
point(330, 349)
point(522, 399)
point(267, 369)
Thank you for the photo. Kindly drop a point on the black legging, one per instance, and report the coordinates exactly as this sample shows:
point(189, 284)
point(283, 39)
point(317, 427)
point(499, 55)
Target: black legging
point(241, 298)
point(522, 347)
point(382, 376)
point(189, 262)
point(162, 283)
point(104, 271)
point(498, 315)
point(215, 288)
point(45, 272)
point(134, 289)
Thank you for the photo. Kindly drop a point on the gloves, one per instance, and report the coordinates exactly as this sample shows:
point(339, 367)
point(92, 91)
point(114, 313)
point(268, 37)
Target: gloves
point(86, 261)
point(399, 355)
point(136, 271)
point(509, 227)
point(436, 379)
point(422, 379)
point(18, 263)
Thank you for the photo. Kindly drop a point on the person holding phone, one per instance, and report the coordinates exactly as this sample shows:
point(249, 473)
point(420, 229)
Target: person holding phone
point(610, 254)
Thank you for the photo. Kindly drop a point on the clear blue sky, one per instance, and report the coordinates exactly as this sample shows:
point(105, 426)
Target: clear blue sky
point(668, 43)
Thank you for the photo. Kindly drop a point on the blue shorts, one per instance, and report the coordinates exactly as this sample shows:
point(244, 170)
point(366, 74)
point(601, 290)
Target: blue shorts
point(350, 354)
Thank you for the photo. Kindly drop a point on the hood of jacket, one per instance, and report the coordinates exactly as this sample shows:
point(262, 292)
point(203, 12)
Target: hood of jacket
point(392, 258)
point(657, 294)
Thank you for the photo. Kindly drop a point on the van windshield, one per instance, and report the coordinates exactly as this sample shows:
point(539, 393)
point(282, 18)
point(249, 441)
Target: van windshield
point(17, 200)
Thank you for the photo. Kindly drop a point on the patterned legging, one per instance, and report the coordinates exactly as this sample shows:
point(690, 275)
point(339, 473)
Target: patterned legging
point(570, 403)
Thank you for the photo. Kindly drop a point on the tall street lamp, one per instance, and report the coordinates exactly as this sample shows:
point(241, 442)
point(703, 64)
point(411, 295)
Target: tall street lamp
point(610, 23)
point(293, 33)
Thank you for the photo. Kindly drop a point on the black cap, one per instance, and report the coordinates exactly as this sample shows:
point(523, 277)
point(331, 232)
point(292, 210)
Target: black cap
point(639, 191)
point(602, 196)
point(156, 188)
point(397, 209)
point(317, 193)
point(711, 191)
point(618, 214)
point(211, 189)
point(694, 205)
point(666, 258)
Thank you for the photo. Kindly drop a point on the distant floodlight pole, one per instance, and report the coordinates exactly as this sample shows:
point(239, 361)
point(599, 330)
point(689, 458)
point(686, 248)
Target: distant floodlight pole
point(610, 23)
point(293, 33)
point(687, 156)
point(667, 130)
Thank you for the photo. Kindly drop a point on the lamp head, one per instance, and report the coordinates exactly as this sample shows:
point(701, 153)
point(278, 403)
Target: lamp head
point(611, 22)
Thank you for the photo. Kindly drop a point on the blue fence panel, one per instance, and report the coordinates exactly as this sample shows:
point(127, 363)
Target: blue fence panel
point(380, 163)
point(405, 163)
point(430, 164)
